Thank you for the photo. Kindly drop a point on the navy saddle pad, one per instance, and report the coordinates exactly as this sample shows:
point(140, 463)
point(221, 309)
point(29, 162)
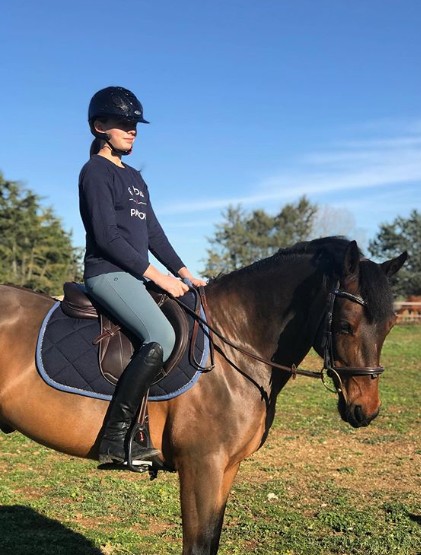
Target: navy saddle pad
point(67, 359)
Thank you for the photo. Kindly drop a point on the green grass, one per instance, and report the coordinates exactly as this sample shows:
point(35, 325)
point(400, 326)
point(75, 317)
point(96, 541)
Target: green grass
point(318, 486)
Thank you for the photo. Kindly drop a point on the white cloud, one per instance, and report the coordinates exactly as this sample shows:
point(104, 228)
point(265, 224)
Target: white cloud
point(353, 165)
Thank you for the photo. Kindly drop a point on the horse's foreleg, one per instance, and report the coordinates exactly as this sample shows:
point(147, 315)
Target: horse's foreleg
point(204, 489)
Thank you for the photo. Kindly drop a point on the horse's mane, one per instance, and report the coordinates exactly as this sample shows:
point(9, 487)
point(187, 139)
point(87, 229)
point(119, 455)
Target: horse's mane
point(374, 285)
point(330, 252)
point(333, 247)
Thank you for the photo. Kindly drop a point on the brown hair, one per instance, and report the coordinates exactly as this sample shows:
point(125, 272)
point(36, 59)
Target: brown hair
point(95, 146)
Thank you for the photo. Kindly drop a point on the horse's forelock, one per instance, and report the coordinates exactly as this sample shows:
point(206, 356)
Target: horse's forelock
point(375, 290)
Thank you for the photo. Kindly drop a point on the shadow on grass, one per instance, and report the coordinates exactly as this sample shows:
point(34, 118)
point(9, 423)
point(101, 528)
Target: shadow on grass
point(415, 518)
point(23, 532)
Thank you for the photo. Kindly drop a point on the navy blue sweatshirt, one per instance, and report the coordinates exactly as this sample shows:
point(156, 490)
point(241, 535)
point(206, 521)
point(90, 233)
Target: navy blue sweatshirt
point(120, 224)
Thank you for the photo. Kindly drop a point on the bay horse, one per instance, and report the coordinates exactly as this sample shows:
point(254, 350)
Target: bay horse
point(320, 294)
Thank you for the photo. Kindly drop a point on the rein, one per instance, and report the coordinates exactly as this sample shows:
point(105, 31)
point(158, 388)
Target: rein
point(334, 372)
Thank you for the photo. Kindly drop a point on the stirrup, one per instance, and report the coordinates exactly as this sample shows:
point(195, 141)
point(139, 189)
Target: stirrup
point(139, 465)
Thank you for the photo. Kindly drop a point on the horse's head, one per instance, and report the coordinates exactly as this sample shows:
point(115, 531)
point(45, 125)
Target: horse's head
point(358, 319)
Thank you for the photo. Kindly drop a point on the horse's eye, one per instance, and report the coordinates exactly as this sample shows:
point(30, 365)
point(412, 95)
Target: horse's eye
point(345, 328)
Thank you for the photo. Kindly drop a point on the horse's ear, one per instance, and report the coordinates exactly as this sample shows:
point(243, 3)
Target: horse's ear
point(351, 260)
point(390, 267)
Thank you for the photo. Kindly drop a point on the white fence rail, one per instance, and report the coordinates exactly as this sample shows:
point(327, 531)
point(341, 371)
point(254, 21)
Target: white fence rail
point(408, 312)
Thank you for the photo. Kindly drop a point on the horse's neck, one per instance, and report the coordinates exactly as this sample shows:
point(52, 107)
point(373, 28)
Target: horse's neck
point(269, 311)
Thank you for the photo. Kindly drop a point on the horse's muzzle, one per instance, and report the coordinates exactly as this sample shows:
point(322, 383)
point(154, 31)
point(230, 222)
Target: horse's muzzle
point(355, 414)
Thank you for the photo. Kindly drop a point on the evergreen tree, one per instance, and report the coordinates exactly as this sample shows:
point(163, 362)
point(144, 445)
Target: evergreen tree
point(392, 239)
point(35, 250)
point(243, 238)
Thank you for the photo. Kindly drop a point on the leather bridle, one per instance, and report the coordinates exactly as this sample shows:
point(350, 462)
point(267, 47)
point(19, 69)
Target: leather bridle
point(337, 373)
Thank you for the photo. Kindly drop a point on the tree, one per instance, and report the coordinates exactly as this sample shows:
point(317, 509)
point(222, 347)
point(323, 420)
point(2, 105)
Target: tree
point(244, 238)
point(332, 220)
point(35, 250)
point(392, 239)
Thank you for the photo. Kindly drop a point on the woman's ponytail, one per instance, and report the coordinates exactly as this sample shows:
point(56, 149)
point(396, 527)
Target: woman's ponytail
point(95, 146)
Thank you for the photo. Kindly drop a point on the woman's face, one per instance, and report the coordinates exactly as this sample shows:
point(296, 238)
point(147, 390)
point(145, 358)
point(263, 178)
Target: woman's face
point(121, 133)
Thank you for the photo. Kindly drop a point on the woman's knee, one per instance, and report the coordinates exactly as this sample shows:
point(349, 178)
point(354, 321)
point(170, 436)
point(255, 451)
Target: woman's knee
point(167, 340)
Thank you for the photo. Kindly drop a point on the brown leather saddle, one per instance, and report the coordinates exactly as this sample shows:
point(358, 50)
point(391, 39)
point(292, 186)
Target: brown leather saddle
point(116, 345)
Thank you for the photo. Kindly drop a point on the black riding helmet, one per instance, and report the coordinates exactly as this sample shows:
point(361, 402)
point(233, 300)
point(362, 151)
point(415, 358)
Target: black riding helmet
point(114, 102)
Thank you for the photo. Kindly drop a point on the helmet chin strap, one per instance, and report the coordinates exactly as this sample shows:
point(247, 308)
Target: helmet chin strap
point(105, 137)
point(117, 150)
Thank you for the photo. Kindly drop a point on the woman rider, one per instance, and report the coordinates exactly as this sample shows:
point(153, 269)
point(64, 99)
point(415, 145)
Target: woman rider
point(121, 227)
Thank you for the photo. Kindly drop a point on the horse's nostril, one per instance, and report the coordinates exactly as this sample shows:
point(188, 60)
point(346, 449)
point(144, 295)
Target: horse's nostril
point(358, 414)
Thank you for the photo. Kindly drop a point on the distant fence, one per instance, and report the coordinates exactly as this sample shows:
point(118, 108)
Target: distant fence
point(409, 312)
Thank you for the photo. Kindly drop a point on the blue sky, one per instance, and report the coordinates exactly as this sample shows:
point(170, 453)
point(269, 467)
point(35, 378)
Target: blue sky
point(251, 102)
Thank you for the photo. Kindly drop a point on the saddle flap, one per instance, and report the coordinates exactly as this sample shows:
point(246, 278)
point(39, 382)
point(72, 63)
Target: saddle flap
point(117, 346)
point(178, 319)
point(115, 349)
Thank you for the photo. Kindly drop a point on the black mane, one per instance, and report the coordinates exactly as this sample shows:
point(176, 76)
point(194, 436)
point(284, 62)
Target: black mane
point(332, 248)
point(330, 252)
point(335, 247)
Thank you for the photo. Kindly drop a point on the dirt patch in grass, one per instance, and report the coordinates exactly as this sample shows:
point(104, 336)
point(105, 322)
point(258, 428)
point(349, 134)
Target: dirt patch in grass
point(347, 461)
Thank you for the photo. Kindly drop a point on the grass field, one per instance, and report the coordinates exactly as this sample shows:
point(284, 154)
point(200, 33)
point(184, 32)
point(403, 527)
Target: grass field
point(316, 487)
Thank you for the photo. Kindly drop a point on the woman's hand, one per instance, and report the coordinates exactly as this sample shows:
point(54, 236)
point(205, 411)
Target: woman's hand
point(168, 283)
point(172, 285)
point(197, 281)
point(186, 274)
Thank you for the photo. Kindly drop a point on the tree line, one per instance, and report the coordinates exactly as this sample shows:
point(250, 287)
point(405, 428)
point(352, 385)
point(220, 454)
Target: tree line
point(37, 252)
point(244, 237)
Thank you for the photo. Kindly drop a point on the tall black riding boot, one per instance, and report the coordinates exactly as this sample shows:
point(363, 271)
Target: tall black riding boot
point(131, 388)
